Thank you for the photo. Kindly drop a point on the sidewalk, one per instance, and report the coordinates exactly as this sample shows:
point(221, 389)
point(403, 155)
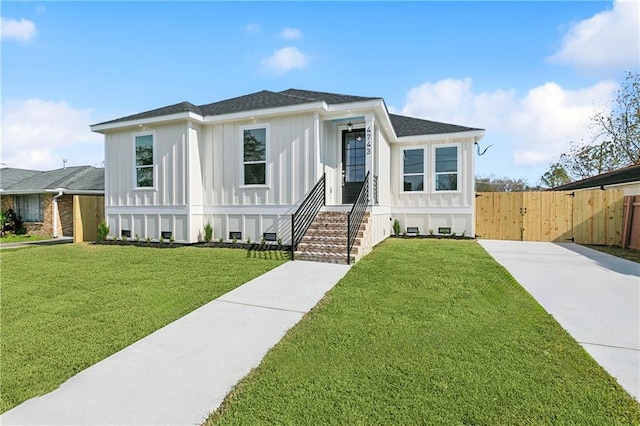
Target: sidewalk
point(59, 240)
point(593, 295)
point(182, 372)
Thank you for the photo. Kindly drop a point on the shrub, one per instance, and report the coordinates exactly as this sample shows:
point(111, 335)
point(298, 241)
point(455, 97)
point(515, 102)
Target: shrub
point(103, 231)
point(396, 227)
point(13, 223)
point(208, 233)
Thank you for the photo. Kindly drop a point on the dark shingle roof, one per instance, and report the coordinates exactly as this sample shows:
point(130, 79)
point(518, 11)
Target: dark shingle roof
point(625, 175)
point(159, 112)
point(254, 101)
point(404, 126)
point(79, 178)
point(10, 176)
point(329, 98)
point(409, 126)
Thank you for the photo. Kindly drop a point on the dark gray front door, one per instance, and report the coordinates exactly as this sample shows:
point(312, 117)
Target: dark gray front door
point(353, 164)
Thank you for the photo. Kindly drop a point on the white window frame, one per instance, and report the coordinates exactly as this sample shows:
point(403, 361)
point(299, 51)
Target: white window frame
point(425, 179)
point(153, 165)
point(458, 167)
point(267, 143)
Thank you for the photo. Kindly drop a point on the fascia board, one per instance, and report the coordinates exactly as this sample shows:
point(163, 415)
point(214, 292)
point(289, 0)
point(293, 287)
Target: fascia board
point(187, 115)
point(51, 191)
point(477, 134)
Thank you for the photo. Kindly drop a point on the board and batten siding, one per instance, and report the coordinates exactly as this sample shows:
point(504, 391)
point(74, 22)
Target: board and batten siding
point(165, 205)
point(293, 168)
point(430, 210)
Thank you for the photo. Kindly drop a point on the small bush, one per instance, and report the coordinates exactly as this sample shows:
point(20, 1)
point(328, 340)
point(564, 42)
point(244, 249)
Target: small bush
point(13, 223)
point(103, 231)
point(208, 233)
point(396, 227)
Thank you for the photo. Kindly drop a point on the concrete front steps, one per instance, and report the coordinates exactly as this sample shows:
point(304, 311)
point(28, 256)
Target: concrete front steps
point(326, 239)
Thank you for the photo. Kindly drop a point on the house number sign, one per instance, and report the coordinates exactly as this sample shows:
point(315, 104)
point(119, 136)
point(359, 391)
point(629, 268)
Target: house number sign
point(369, 139)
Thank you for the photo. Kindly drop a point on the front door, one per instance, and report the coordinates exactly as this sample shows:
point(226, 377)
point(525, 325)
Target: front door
point(353, 164)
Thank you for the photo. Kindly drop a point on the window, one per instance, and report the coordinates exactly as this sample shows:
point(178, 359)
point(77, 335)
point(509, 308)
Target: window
point(254, 156)
point(29, 207)
point(446, 168)
point(413, 169)
point(144, 161)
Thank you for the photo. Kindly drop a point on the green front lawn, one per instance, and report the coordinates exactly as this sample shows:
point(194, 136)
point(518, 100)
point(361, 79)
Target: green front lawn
point(67, 307)
point(428, 332)
point(629, 254)
point(12, 238)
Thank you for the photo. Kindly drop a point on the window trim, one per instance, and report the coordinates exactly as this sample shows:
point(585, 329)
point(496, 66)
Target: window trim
point(425, 186)
point(154, 176)
point(458, 168)
point(267, 143)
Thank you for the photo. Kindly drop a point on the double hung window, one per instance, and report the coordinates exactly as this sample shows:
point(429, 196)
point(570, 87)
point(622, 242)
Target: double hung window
point(144, 161)
point(446, 168)
point(413, 169)
point(254, 155)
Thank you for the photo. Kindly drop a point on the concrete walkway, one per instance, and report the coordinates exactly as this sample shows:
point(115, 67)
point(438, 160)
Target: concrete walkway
point(53, 241)
point(594, 296)
point(182, 372)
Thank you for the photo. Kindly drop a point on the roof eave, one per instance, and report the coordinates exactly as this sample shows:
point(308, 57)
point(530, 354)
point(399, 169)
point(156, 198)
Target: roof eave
point(187, 115)
point(476, 134)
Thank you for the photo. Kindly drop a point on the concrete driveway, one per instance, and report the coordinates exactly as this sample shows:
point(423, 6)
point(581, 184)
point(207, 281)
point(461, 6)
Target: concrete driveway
point(594, 296)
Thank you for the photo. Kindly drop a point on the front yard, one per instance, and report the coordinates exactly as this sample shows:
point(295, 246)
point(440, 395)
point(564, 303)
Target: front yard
point(67, 307)
point(428, 332)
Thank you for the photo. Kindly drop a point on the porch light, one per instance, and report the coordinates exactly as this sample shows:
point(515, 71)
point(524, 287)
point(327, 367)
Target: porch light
point(349, 126)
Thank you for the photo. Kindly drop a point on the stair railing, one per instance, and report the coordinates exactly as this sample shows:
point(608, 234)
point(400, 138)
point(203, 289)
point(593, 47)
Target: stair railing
point(306, 213)
point(354, 219)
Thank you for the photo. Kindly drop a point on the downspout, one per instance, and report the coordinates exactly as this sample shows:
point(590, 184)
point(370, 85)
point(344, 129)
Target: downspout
point(55, 212)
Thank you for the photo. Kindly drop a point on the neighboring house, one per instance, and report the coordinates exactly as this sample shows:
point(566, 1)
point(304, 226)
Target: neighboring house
point(44, 199)
point(626, 179)
point(246, 164)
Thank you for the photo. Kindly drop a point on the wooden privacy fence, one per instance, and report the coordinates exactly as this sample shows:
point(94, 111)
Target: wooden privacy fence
point(631, 222)
point(88, 212)
point(584, 217)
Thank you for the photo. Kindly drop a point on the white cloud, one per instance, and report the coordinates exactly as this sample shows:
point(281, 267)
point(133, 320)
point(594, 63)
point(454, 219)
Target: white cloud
point(41, 9)
point(535, 128)
point(291, 33)
point(285, 59)
point(253, 29)
point(609, 40)
point(38, 134)
point(22, 30)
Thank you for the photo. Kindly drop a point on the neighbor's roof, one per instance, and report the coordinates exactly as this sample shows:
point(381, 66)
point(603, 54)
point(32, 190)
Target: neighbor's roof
point(72, 179)
point(403, 126)
point(616, 177)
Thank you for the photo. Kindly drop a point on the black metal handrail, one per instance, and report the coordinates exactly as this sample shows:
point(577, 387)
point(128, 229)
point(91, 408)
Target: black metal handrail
point(354, 220)
point(304, 215)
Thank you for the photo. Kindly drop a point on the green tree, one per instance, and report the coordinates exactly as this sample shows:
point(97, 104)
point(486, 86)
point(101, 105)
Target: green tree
point(505, 184)
point(583, 161)
point(621, 126)
point(555, 176)
point(616, 136)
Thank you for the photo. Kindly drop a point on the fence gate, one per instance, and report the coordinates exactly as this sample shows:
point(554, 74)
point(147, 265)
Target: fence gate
point(88, 212)
point(586, 217)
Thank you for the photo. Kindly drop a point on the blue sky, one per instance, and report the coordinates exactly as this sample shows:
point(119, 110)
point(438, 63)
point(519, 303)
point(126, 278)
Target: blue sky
point(530, 73)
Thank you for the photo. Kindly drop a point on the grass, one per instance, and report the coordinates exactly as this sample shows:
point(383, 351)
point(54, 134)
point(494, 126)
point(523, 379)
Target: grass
point(67, 307)
point(428, 332)
point(12, 238)
point(632, 255)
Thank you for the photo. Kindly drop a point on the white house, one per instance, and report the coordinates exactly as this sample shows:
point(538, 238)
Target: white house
point(246, 164)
